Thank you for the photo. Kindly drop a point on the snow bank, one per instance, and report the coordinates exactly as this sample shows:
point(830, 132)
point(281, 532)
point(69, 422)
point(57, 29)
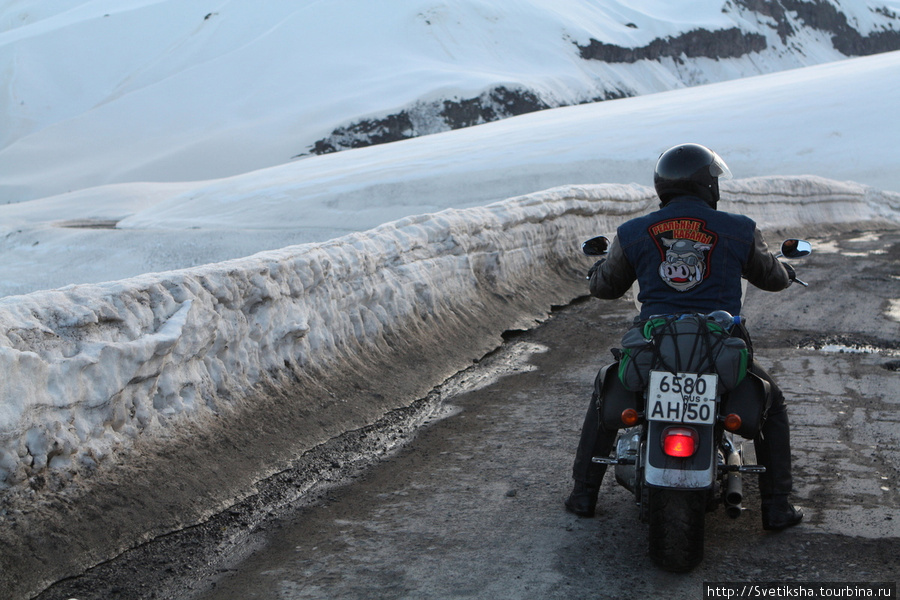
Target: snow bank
point(90, 368)
point(808, 202)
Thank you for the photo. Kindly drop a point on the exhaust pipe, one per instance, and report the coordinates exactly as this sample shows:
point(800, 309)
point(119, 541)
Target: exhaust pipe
point(734, 486)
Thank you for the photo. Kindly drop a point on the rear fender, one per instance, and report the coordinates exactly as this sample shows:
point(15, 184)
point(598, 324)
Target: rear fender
point(695, 472)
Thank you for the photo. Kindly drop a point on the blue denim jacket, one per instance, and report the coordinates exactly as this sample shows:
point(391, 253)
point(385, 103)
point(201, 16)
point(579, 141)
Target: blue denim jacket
point(688, 257)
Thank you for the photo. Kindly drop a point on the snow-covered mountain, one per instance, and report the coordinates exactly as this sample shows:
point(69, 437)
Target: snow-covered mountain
point(103, 91)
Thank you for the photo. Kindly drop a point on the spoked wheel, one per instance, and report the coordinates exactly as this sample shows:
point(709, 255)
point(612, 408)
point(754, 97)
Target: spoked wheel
point(677, 519)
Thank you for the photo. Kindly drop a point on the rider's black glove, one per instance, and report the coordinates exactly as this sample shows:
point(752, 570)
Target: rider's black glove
point(792, 274)
point(594, 268)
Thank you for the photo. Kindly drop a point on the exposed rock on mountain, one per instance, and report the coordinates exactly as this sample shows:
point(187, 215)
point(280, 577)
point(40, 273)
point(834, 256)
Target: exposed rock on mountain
point(433, 117)
point(700, 43)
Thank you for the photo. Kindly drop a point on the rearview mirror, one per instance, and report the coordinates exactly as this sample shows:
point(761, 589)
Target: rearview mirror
point(596, 246)
point(794, 248)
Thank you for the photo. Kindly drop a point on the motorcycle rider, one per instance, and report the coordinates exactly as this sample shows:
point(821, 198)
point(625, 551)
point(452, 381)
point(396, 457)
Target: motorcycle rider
point(688, 257)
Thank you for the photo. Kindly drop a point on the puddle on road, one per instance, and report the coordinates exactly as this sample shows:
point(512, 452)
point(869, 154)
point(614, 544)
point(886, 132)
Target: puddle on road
point(893, 311)
point(852, 349)
point(511, 358)
point(845, 345)
point(842, 349)
point(832, 246)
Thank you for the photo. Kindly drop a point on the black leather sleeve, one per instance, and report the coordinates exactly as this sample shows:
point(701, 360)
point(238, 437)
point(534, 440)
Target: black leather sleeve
point(764, 270)
point(615, 275)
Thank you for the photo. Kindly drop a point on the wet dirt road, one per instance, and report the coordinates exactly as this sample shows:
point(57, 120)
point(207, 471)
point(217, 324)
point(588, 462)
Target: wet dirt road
point(472, 506)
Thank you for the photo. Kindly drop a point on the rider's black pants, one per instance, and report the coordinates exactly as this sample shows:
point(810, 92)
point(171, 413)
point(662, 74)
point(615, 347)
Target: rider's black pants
point(773, 443)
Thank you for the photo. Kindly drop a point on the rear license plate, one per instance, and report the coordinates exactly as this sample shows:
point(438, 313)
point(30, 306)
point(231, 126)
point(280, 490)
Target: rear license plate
point(682, 397)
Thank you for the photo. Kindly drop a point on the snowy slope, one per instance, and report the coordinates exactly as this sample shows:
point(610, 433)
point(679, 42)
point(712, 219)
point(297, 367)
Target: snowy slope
point(171, 90)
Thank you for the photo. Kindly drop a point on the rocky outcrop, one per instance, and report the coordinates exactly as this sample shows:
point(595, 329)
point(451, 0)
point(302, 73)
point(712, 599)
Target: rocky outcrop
point(785, 17)
point(432, 117)
point(725, 43)
point(824, 16)
point(443, 115)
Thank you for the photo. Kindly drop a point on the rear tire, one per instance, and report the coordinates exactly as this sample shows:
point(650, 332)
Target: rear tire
point(677, 520)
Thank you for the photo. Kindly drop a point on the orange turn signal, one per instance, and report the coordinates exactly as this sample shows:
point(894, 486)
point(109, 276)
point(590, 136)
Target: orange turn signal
point(630, 417)
point(732, 422)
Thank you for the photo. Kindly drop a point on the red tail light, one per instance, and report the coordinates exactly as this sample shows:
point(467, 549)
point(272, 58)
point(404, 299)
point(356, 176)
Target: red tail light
point(680, 442)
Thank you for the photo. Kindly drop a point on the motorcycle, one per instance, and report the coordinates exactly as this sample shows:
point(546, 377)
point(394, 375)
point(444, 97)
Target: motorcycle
point(679, 396)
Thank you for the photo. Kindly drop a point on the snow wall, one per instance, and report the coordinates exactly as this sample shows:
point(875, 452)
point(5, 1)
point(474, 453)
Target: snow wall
point(309, 342)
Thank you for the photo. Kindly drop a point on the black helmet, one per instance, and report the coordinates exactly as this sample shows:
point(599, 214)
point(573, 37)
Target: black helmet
point(689, 170)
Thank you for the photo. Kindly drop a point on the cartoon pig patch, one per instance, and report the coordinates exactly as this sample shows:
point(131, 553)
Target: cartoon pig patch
point(685, 264)
point(685, 245)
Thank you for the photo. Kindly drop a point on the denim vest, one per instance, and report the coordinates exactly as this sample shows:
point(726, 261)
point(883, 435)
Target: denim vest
point(688, 257)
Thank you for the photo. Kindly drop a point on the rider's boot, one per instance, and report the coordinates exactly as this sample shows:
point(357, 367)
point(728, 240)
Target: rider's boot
point(583, 499)
point(778, 513)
